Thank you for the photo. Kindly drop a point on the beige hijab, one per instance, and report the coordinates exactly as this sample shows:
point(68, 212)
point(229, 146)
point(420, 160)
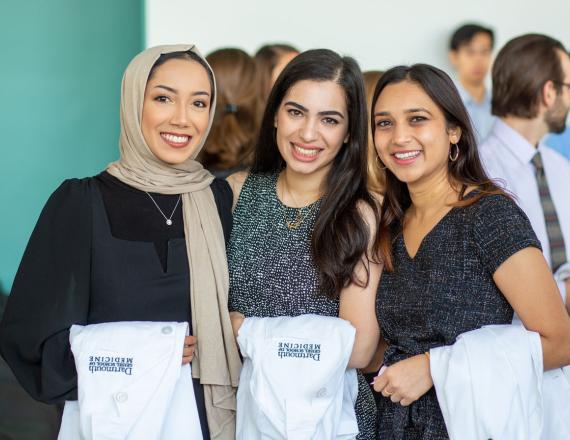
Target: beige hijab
point(216, 360)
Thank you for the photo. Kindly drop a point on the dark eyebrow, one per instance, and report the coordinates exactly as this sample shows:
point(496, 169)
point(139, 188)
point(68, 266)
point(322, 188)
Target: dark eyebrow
point(170, 89)
point(381, 114)
point(324, 113)
point(411, 110)
point(417, 110)
point(331, 113)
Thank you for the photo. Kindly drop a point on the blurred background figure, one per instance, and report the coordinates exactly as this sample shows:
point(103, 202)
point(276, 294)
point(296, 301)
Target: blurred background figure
point(531, 98)
point(470, 52)
point(238, 111)
point(376, 174)
point(560, 141)
point(272, 59)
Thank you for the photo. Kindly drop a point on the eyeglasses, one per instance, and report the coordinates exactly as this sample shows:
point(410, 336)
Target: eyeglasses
point(562, 83)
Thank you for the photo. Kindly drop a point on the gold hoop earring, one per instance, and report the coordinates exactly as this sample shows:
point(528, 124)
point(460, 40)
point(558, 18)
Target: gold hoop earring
point(453, 158)
point(379, 163)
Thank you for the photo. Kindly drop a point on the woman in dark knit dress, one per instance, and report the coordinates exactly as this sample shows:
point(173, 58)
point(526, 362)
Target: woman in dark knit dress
point(458, 252)
point(300, 239)
point(115, 247)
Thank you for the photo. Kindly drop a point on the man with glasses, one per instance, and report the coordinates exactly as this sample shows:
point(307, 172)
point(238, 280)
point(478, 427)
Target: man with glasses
point(560, 141)
point(531, 97)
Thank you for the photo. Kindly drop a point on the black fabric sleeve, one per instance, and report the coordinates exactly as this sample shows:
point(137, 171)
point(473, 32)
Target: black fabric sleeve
point(224, 198)
point(500, 229)
point(50, 293)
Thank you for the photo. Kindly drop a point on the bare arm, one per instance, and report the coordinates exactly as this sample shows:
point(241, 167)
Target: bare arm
point(377, 358)
point(236, 181)
point(236, 319)
point(358, 305)
point(527, 283)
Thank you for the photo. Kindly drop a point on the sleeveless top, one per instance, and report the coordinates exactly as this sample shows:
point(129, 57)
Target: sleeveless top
point(272, 272)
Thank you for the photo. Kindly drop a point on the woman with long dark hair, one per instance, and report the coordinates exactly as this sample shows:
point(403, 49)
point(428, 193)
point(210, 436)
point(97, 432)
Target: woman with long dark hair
point(458, 252)
point(304, 221)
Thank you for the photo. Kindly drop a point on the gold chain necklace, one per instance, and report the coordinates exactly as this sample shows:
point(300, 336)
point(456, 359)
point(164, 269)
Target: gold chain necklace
point(299, 216)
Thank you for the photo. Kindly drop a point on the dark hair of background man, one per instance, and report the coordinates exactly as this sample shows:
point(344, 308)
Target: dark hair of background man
point(464, 34)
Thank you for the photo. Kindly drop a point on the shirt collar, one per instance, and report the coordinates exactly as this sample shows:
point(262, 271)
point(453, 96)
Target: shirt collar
point(521, 149)
point(468, 99)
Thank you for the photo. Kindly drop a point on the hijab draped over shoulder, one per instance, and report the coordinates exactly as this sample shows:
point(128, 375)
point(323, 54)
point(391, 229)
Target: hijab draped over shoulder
point(216, 361)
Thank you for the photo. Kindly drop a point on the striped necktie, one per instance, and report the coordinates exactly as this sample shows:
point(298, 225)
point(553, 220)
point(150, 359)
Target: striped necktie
point(555, 237)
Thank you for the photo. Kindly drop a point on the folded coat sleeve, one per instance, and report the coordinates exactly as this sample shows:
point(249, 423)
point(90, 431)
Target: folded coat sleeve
point(50, 293)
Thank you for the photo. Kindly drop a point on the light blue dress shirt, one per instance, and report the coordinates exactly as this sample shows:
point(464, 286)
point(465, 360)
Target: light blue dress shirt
point(560, 142)
point(479, 112)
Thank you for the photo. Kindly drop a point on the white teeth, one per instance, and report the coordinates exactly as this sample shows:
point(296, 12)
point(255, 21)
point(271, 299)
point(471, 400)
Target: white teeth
point(305, 152)
point(407, 155)
point(175, 139)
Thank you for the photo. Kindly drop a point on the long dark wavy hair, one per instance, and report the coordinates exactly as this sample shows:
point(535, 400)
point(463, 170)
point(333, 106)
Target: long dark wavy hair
point(340, 237)
point(466, 171)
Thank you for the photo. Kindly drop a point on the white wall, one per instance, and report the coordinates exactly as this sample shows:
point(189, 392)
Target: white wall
point(378, 33)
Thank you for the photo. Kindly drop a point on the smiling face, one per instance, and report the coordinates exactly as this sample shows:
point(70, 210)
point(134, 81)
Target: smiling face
point(411, 134)
point(176, 110)
point(312, 125)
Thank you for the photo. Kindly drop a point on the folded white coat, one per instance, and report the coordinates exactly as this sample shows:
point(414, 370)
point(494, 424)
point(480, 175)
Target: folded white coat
point(294, 382)
point(490, 384)
point(131, 384)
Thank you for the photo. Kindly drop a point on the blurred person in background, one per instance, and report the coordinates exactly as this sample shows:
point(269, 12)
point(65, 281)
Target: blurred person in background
point(376, 174)
point(560, 141)
point(531, 98)
point(470, 52)
point(238, 102)
point(272, 59)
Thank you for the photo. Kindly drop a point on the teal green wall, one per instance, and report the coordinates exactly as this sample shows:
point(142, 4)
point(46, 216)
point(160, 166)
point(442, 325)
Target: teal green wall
point(61, 63)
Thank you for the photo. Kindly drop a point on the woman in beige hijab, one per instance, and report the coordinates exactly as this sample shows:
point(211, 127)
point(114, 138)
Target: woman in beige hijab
point(142, 241)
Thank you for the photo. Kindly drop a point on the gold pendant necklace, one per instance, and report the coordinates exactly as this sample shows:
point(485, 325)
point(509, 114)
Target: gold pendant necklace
point(299, 216)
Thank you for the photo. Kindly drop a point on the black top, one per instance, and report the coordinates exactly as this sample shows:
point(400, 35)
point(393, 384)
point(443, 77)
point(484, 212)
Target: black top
point(447, 289)
point(100, 252)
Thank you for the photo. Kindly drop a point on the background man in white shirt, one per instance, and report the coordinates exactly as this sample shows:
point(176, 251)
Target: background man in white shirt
point(470, 53)
point(531, 97)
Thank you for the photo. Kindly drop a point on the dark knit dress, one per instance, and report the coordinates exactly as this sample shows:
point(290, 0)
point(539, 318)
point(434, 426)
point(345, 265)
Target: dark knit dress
point(272, 271)
point(445, 290)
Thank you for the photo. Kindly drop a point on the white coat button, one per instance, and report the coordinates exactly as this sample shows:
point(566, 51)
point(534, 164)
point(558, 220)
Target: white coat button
point(166, 330)
point(322, 392)
point(121, 397)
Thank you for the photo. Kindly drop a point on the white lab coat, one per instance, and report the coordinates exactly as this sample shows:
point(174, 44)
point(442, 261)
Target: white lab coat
point(294, 383)
point(131, 384)
point(490, 385)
